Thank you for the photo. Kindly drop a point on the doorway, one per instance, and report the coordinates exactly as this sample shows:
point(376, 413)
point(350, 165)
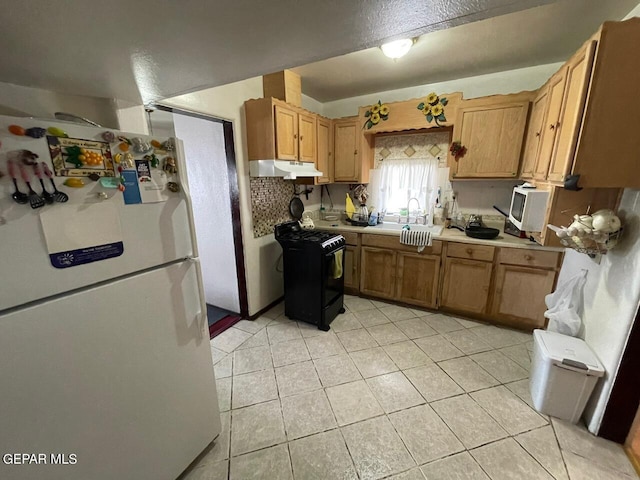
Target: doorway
point(213, 184)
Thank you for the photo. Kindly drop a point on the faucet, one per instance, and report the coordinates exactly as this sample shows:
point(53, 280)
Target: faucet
point(409, 210)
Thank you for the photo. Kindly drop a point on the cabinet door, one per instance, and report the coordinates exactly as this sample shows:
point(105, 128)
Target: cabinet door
point(286, 133)
point(532, 142)
point(307, 143)
point(323, 151)
point(568, 126)
point(519, 292)
point(417, 279)
point(556, 91)
point(378, 271)
point(493, 136)
point(345, 149)
point(466, 285)
point(351, 268)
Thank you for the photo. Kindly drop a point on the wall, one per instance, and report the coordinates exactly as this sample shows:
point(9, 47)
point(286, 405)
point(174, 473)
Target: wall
point(312, 104)
point(611, 299)
point(633, 13)
point(511, 81)
point(15, 99)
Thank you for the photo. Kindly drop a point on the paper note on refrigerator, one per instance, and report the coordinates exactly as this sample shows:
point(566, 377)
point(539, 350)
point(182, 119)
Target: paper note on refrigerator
point(79, 234)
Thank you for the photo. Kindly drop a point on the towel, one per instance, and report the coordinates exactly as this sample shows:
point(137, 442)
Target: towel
point(336, 269)
point(415, 238)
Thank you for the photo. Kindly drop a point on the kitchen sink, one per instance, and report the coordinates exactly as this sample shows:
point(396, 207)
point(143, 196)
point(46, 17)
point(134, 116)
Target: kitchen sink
point(396, 227)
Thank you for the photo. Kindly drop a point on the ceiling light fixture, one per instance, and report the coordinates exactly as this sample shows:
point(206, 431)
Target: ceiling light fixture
point(397, 48)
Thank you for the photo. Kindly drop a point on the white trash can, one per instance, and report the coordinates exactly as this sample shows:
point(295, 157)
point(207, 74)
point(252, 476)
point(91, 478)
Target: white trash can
point(563, 373)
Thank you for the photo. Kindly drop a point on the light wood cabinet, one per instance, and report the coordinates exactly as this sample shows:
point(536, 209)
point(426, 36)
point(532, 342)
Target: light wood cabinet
point(518, 296)
point(324, 151)
point(286, 124)
point(466, 284)
point(521, 280)
point(417, 279)
point(551, 119)
point(307, 140)
point(593, 109)
point(276, 130)
point(352, 151)
point(534, 134)
point(493, 135)
point(378, 272)
point(351, 269)
point(578, 73)
point(399, 272)
point(496, 284)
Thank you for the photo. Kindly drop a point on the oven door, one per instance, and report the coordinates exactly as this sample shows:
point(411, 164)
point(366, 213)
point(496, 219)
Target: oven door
point(333, 276)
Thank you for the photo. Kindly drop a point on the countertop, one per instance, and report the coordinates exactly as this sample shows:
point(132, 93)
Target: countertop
point(448, 235)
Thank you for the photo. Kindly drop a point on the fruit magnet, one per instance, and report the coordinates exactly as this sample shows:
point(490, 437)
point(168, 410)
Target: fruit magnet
point(75, 157)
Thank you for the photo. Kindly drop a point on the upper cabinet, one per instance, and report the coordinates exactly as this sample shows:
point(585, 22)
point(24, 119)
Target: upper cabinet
point(492, 130)
point(277, 130)
point(324, 150)
point(550, 124)
point(590, 128)
point(353, 151)
point(534, 133)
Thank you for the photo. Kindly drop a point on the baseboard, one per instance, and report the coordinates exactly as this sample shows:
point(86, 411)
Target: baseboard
point(266, 309)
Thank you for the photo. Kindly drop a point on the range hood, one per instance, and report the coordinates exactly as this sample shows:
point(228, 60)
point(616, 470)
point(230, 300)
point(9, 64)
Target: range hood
point(287, 169)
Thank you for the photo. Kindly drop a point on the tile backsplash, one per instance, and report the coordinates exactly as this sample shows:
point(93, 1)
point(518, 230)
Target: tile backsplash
point(270, 197)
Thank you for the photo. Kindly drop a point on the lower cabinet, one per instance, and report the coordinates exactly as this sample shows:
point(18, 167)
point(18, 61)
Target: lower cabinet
point(351, 269)
point(378, 272)
point(519, 292)
point(466, 284)
point(496, 284)
point(417, 279)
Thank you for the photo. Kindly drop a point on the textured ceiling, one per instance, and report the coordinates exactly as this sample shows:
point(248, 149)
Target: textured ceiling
point(537, 36)
point(146, 50)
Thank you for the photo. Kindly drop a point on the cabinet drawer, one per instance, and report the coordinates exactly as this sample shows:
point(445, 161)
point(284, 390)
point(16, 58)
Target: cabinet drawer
point(530, 258)
point(393, 242)
point(473, 252)
point(350, 237)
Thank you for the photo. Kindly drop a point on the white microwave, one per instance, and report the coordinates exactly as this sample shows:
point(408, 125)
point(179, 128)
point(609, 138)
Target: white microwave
point(528, 208)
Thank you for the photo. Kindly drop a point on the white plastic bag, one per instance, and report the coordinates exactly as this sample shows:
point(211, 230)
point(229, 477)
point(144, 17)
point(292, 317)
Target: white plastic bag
point(565, 306)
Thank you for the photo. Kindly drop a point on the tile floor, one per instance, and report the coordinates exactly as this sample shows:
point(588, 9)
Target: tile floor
point(389, 392)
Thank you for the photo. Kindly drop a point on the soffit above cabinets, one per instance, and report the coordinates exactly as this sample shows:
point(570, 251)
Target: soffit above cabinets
point(546, 34)
point(146, 51)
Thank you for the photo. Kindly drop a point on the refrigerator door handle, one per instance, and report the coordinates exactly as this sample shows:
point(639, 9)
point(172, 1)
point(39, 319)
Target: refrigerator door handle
point(202, 314)
point(184, 184)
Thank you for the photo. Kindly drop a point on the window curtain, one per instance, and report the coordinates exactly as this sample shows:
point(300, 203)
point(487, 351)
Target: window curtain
point(400, 179)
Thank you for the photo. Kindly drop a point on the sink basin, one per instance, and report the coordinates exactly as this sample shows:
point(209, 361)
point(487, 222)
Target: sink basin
point(396, 227)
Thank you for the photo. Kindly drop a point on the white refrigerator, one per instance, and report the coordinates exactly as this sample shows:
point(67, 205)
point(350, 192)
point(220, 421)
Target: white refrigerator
point(105, 361)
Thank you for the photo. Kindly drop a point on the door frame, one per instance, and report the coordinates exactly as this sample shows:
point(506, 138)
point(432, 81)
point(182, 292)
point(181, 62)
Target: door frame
point(234, 194)
point(624, 399)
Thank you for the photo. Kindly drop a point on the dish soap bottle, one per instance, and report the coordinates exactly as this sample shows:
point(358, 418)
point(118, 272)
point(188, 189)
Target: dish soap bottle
point(349, 207)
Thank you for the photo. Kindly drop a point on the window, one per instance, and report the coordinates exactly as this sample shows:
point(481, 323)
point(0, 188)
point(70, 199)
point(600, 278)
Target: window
point(399, 180)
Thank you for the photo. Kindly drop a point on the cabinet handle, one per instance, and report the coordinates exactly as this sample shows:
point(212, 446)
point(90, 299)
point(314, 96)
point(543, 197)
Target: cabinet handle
point(537, 134)
point(295, 135)
point(528, 257)
point(552, 127)
point(355, 152)
point(469, 251)
point(300, 137)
